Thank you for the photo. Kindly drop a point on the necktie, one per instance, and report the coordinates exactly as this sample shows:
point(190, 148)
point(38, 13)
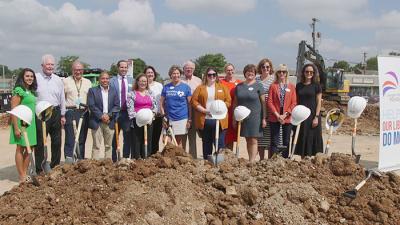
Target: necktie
point(123, 94)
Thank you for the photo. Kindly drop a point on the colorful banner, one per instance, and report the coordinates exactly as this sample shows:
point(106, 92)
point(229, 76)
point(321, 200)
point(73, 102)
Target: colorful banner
point(389, 100)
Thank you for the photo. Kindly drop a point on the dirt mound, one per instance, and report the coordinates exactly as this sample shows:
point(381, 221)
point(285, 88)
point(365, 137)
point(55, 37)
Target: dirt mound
point(4, 120)
point(174, 189)
point(367, 124)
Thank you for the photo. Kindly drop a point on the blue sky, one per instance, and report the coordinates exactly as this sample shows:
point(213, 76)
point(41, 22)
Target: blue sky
point(166, 32)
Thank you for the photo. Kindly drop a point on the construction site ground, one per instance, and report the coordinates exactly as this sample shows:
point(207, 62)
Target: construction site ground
point(172, 188)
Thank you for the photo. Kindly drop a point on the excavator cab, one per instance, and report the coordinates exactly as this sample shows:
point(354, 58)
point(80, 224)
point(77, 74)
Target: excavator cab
point(334, 86)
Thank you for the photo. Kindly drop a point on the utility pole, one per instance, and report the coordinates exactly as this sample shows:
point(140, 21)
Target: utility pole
point(365, 62)
point(314, 35)
point(4, 79)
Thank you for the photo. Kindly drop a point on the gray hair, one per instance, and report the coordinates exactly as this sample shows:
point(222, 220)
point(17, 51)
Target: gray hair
point(189, 63)
point(76, 62)
point(48, 57)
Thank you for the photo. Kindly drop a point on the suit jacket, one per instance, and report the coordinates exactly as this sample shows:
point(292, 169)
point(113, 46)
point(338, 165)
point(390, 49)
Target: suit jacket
point(274, 101)
point(200, 97)
point(123, 118)
point(95, 103)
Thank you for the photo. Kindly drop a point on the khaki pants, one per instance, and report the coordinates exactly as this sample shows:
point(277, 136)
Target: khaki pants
point(102, 133)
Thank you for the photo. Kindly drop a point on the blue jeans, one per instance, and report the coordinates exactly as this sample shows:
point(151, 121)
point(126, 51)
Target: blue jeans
point(208, 137)
point(286, 129)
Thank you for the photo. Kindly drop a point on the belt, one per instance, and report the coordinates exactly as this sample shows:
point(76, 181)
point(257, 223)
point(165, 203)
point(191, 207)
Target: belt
point(56, 107)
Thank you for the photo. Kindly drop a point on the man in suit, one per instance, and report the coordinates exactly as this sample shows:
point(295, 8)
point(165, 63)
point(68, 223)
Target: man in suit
point(121, 84)
point(103, 102)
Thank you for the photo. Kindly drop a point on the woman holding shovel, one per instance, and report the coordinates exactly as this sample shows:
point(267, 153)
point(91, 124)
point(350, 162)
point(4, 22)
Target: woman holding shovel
point(140, 98)
point(281, 101)
point(24, 93)
point(309, 94)
point(210, 90)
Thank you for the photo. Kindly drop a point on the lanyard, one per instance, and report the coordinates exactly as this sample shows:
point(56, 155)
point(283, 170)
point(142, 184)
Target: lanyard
point(78, 89)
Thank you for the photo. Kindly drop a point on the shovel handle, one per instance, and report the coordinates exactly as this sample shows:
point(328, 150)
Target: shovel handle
point(328, 142)
point(74, 126)
point(116, 127)
point(353, 138)
point(145, 140)
point(296, 136)
point(238, 138)
point(28, 145)
point(44, 133)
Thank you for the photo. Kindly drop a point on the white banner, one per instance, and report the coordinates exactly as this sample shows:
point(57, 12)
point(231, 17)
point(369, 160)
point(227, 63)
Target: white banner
point(389, 100)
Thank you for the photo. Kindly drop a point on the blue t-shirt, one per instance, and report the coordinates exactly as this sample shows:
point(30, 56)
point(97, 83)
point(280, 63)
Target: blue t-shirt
point(176, 100)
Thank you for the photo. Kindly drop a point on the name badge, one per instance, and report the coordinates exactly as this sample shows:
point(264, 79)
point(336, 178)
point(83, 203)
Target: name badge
point(251, 88)
point(287, 90)
point(78, 101)
point(172, 87)
point(219, 90)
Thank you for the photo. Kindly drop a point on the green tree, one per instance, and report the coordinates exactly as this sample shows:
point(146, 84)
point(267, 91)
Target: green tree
point(342, 65)
point(372, 63)
point(393, 53)
point(209, 60)
point(138, 66)
point(65, 63)
point(113, 69)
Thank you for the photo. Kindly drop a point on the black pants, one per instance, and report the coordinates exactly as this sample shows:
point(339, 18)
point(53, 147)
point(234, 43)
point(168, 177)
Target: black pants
point(53, 127)
point(137, 144)
point(286, 128)
point(155, 140)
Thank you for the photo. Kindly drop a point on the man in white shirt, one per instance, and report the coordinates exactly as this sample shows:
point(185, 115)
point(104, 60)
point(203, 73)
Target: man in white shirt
point(103, 102)
point(121, 84)
point(50, 89)
point(76, 88)
point(193, 82)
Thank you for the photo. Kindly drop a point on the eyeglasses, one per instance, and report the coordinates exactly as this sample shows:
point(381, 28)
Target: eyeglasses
point(309, 72)
point(265, 67)
point(212, 74)
point(282, 71)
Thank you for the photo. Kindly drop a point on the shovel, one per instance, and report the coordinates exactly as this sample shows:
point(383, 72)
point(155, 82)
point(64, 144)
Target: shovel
point(45, 165)
point(328, 142)
point(296, 136)
point(117, 140)
point(238, 138)
point(353, 142)
point(77, 151)
point(216, 158)
point(353, 193)
point(145, 140)
point(32, 168)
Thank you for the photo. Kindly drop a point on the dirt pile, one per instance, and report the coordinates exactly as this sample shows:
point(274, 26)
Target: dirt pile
point(367, 124)
point(171, 188)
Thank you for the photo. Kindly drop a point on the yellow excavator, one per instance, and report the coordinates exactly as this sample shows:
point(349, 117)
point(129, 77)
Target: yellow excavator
point(334, 86)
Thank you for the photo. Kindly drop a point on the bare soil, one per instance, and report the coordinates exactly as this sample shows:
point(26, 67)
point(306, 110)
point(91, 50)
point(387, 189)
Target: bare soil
point(171, 188)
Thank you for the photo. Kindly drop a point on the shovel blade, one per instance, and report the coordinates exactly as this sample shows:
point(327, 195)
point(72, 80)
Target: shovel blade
point(46, 167)
point(215, 159)
point(351, 194)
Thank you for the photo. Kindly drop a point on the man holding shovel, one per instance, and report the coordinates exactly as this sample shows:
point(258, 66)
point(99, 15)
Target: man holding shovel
point(103, 103)
point(76, 89)
point(51, 89)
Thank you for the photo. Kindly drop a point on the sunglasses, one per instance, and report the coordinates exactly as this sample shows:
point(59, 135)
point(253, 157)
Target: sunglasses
point(309, 72)
point(284, 72)
point(265, 67)
point(212, 74)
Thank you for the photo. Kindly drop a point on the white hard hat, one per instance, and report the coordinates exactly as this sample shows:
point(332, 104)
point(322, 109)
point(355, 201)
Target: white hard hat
point(23, 113)
point(241, 112)
point(356, 106)
point(299, 114)
point(334, 119)
point(218, 110)
point(44, 106)
point(144, 117)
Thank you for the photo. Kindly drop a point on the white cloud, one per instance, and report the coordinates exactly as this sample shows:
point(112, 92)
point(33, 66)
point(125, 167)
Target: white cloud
point(291, 37)
point(101, 39)
point(213, 6)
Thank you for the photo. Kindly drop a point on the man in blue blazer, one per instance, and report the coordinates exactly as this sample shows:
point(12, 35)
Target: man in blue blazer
point(103, 102)
point(122, 84)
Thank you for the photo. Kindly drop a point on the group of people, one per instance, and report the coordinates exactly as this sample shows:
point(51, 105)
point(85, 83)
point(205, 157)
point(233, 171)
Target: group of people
point(183, 104)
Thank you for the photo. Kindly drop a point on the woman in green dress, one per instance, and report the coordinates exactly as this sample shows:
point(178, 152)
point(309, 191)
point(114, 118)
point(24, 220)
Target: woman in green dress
point(24, 93)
